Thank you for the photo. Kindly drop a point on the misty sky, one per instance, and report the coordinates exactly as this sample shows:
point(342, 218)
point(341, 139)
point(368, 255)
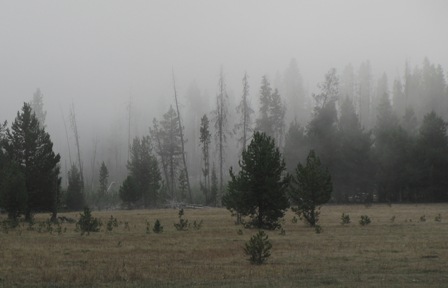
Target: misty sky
point(98, 53)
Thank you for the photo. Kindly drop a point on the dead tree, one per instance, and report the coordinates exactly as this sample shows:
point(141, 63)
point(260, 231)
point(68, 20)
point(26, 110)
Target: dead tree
point(182, 141)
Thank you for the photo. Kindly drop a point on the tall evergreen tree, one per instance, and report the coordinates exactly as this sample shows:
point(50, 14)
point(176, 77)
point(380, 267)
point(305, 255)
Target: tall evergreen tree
point(245, 111)
point(296, 146)
point(143, 168)
point(220, 119)
point(205, 139)
point(259, 189)
point(322, 130)
point(432, 145)
point(37, 106)
point(30, 146)
point(272, 112)
point(353, 178)
point(104, 182)
point(311, 188)
point(75, 198)
point(392, 149)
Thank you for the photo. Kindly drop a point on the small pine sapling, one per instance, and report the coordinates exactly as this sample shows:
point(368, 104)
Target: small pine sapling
point(111, 224)
point(87, 223)
point(345, 219)
point(258, 248)
point(365, 220)
point(158, 228)
point(183, 223)
point(148, 227)
point(197, 224)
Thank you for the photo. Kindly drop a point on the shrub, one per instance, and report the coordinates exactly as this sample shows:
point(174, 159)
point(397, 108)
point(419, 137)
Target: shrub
point(258, 248)
point(148, 227)
point(197, 224)
point(438, 218)
point(392, 219)
point(318, 229)
point(183, 223)
point(423, 218)
point(87, 223)
point(158, 228)
point(365, 220)
point(345, 219)
point(111, 223)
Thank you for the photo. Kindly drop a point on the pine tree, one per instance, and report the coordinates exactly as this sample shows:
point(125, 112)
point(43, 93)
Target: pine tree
point(37, 106)
point(129, 192)
point(259, 189)
point(220, 119)
point(311, 187)
point(245, 112)
point(272, 112)
point(214, 187)
point(102, 191)
point(170, 149)
point(432, 151)
point(143, 167)
point(353, 177)
point(30, 146)
point(205, 139)
point(75, 199)
point(322, 130)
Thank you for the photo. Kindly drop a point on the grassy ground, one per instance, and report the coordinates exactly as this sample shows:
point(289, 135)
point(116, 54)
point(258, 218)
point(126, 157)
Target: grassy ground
point(404, 253)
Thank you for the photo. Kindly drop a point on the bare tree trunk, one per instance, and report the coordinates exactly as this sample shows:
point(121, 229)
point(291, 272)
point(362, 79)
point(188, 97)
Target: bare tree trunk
point(129, 126)
point(95, 145)
point(75, 132)
point(66, 136)
point(155, 131)
point(182, 141)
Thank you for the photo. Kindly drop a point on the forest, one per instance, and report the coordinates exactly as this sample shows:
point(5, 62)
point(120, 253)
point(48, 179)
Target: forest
point(381, 141)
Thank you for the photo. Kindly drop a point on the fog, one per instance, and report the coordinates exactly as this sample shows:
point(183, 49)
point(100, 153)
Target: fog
point(103, 55)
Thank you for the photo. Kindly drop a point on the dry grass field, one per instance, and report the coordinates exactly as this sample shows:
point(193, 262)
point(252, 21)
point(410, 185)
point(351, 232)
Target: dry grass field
point(407, 252)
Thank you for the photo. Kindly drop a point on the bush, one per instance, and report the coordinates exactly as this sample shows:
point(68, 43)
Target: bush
point(158, 228)
point(87, 223)
point(345, 219)
point(365, 220)
point(318, 229)
point(183, 223)
point(258, 248)
point(197, 224)
point(113, 222)
point(423, 218)
point(438, 218)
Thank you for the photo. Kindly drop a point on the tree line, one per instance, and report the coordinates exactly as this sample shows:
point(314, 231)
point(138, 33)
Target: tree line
point(386, 148)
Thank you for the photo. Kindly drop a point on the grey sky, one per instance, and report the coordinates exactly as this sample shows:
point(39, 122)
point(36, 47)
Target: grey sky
point(97, 53)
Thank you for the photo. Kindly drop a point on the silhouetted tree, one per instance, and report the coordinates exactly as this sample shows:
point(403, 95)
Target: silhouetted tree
point(220, 119)
point(311, 188)
point(143, 167)
point(432, 145)
point(353, 179)
point(244, 127)
point(129, 193)
point(37, 106)
point(104, 182)
point(205, 139)
point(259, 189)
point(75, 199)
point(30, 147)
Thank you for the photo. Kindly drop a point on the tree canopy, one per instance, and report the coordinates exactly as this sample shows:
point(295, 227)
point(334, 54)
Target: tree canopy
point(259, 189)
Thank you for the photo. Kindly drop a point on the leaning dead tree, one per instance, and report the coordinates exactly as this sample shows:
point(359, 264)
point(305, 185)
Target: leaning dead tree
point(182, 142)
point(76, 134)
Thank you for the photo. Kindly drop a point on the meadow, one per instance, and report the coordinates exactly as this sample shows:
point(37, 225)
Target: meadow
point(403, 246)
